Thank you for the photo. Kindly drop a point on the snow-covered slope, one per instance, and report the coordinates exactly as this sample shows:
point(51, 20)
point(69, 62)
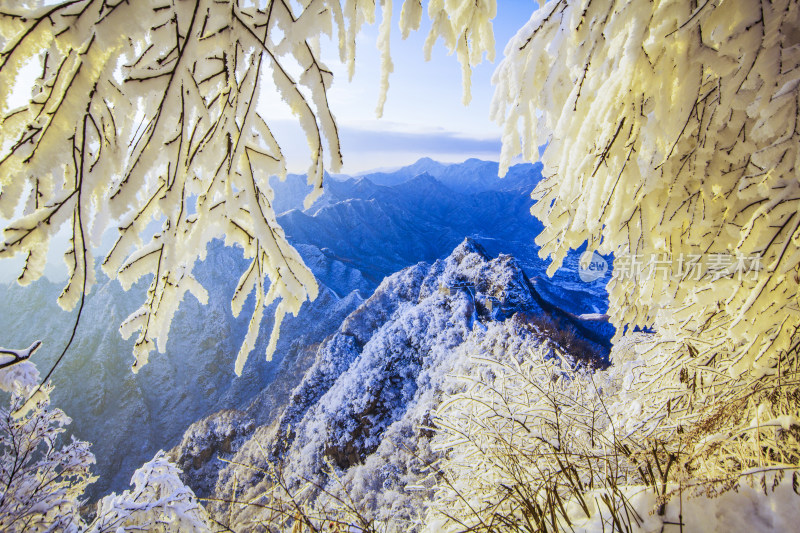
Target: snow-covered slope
point(363, 406)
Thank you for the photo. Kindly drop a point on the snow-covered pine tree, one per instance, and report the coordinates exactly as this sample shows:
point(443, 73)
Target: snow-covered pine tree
point(672, 141)
point(147, 111)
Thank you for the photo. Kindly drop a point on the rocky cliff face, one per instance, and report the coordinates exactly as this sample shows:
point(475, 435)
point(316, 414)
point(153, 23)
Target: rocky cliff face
point(363, 408)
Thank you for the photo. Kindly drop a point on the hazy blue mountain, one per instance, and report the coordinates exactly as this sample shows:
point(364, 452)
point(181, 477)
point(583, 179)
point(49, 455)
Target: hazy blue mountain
point(473, 175)
point(380, 229)
point(381, 222)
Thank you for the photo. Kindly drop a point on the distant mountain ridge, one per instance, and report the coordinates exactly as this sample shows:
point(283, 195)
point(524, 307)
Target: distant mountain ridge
point(373, 230)
point(382, 229)
point(473, 175)
point(379, 223)
point(470, 176)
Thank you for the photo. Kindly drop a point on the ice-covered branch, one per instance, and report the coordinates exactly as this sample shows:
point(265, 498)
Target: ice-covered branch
point(671, 140)
point(17, 355)
point(145, 111)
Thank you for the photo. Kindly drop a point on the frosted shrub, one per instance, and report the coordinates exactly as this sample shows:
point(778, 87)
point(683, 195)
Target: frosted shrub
point(672, 143)
point(41, 478)
point(159, 501)
point(525, 438)
point(719, 435)
point(533, 444)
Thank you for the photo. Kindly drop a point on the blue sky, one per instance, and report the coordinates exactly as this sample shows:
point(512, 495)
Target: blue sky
point(423, 115)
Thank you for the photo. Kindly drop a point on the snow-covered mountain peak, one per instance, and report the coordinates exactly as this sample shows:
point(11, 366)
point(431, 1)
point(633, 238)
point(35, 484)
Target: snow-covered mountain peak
point(364, 405)
point(468, 246)
point(498, 285)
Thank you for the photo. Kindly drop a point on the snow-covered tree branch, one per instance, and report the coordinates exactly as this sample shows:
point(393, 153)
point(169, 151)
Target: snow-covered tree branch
point(147, 111)
point(10, 357)
point(671, 138)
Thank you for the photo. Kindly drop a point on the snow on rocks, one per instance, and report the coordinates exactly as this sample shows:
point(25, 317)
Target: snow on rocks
point(362, 411)
point(198, 454)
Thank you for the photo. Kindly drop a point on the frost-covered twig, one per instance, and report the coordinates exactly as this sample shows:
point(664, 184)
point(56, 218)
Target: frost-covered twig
point(17, 355)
